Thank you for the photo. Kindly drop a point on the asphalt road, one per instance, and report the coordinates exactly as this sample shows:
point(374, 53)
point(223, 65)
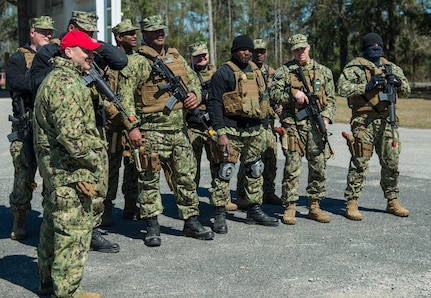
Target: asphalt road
point(381, 256)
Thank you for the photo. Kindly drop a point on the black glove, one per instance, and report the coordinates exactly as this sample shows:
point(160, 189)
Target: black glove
point(393, 80)
point(375, 81)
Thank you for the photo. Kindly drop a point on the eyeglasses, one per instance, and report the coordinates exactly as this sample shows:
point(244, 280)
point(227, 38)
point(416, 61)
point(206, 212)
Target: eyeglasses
point(44, 32)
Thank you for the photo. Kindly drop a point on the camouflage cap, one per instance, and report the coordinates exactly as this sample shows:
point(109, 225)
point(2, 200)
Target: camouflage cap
point(297, 41)
point(153, 23)
point(85, 20)
point(198, 48)
point(259, 44)
point(124, 26)
point(43, 22)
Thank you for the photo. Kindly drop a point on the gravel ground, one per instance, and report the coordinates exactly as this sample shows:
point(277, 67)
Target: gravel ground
point(381, 256)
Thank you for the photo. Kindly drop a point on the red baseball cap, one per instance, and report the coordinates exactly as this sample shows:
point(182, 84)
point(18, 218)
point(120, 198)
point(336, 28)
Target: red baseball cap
point(79, 39)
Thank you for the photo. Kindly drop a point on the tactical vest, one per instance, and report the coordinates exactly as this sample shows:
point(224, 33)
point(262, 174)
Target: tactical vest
point(206, 75)
point(204, 79)
point(268, 73)
point(28, 55)
point(249, 99)
point(312, 77)
point(154, 100)
point(370, 101)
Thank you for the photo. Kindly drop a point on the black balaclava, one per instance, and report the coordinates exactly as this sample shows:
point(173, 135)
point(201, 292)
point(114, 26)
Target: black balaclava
point(370, 50)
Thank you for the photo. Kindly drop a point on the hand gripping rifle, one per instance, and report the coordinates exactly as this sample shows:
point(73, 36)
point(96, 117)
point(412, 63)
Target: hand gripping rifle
point(390, 95)
point(101, 86)
point(179, 90)
point(312, 111)
point(22, 120)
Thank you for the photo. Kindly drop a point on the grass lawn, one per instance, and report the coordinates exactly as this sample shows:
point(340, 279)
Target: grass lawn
point(413, 112)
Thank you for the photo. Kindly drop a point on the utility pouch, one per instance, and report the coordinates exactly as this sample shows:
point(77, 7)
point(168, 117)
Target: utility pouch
point(232, 157)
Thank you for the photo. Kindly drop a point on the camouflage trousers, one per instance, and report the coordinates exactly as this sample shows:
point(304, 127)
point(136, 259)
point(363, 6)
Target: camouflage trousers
point(65, 236)
point(200, 140)
point(25, 168)
point(176, 154)
point(130, 174)
point(102, 184)
point(316, 153)
point(376, 132)
point(249, 143)
point(269, 158)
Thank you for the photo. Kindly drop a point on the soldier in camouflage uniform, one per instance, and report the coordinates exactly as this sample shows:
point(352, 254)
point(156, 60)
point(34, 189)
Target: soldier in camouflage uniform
point(21, 148)
point(203, 136)
point(71, 157)
point(126, 38)
point(302, 137)
point(199, 133)
point(237, 104)
point(113, 57)
point(364, 82)
point(269, 155)
point(161, 138)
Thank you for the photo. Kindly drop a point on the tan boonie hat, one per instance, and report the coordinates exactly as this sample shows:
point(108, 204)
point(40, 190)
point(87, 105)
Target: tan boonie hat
point(198, 48)
point(43, 22)
point(297, 41)
point(85, 20)
point(124, 26)
point(153, 23)
point(259, 44)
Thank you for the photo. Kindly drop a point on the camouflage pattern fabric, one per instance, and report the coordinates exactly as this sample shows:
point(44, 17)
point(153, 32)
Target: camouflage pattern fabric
point(316, 151)
point(130, 175)
point(173, 148)
point(69, 149)
point(24, 173)
point(167, 135)
point(42, 22)
point(200, 139)
point(249, 142)
point(373, 131)
point(269, 158)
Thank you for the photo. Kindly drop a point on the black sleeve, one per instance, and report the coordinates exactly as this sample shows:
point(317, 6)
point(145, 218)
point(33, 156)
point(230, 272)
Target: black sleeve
point(16, 73)
point(41, 65)
point(113, 56)
point(220, 83)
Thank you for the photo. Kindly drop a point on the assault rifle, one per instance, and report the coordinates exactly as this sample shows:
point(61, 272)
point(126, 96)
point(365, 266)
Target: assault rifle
point(101, 86)
point(312, 111)
point(22, 120)
point(179, 91)
point(390, 95)
point(175, 84)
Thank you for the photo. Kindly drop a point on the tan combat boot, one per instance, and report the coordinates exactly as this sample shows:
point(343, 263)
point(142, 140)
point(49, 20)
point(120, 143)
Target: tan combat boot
point(394, 207)
point(231, 206)
point(18, 230)
point(107, 220)
point(317, 214)
point(271, 198)
point(90, 295)
point(289, 214)
point(352, 211)
point(131, 211)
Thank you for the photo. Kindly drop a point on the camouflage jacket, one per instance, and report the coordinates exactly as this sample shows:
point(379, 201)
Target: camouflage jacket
point(138, 72)
point(65, 127)
point(281, 88)
point(353, 79)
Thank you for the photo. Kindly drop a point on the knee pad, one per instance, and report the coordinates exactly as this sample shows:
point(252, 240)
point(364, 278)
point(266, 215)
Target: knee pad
point(226, 170)
point(256, 168)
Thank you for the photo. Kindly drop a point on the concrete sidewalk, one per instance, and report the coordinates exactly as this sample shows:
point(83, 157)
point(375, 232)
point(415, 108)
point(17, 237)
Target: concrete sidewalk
point(381, 256)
